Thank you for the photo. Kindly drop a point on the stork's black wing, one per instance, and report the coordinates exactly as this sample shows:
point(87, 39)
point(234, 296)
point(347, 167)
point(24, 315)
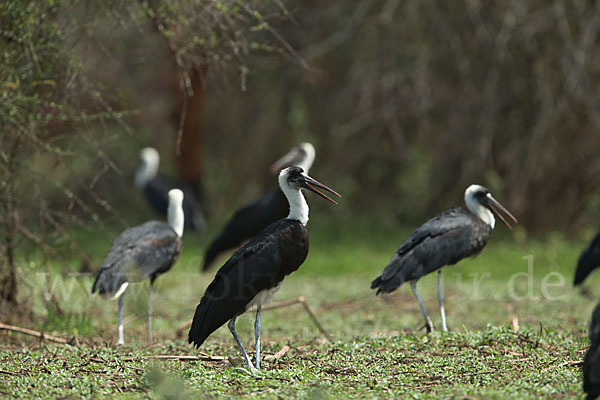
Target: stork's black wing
point(156, 192)
point(591, 362)
point(248, 222)
point(588, 260)
point(443, 240)
point(138, 253)
point(259, 265)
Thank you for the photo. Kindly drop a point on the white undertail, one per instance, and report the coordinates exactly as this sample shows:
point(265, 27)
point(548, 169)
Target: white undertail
point(117, 294)
point(175, 216)
point(476, 207)
point(148, 169)
point(297, 202)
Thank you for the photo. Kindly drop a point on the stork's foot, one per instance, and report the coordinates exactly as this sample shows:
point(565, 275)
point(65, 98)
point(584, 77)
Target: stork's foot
point(252, 371)
point(428, 327)
point(241, 363)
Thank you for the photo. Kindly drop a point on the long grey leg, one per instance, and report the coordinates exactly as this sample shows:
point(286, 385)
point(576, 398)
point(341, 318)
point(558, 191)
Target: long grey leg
point(120, 341)
point(150, 313)
point(257, 336)
point(428, 323)
point(231, 326)
point(441, 300)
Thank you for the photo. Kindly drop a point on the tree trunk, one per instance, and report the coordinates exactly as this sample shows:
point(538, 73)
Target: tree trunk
point(189, 159)
point(8, 280)
point(8, 284)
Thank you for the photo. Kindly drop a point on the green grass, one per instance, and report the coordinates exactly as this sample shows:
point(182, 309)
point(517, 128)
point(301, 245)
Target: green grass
point(377, 351)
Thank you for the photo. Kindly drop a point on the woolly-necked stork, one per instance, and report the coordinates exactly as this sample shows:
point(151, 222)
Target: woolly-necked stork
point(589, 260)
point(443, 240)
point(252, 218)
point(142, 252)
point(591, 362)
point(255, 271)
point(156, 190)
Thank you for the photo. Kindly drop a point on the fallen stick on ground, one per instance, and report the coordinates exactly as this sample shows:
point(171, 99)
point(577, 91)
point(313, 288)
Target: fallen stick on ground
point(563, 364)
point(188, 358)
point(279, 354)
point(7, 372)
point(30, 332)
point(275, 305)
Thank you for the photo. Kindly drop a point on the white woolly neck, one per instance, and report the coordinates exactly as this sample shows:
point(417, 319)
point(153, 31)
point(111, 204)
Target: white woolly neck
point(175, 216)
point(296, 200)
point(477, 208)
point(148, 168)
point(307, 162)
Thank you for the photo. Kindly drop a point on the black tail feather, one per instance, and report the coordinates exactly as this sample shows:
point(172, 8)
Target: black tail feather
point(588, 261)
point(388, 285)
point(200, 329)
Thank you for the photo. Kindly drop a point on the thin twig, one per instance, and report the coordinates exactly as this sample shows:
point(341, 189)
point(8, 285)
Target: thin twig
point(188, 358)
point(577, 362)
point(30, 332)
point(279, 354)
point(7, 372)
point(302, 300)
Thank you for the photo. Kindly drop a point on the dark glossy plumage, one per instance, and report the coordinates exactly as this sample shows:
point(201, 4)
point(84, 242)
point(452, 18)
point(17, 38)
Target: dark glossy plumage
point(248, 222)
point(589, 260)
point(259, 265)
point(591, 362)
point(156, 191)
point(443, 240)
point(141, 252)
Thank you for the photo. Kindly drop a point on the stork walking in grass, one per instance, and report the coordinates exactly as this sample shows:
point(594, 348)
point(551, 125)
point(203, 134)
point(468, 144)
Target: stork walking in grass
point(249, 220)
point(142, 252)
point(443, 240)
point(156, 190)
point(256, 271)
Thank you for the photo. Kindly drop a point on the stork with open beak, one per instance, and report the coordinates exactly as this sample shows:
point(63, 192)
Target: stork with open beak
point(443, 240)
point(256, 271)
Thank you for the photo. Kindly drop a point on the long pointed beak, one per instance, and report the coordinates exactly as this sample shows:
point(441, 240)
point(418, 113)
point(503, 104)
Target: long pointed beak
point(496, 207)
point(313, 185)
point(285, 161)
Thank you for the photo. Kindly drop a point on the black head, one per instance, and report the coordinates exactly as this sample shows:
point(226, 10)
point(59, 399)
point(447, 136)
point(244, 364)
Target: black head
point(295, 178)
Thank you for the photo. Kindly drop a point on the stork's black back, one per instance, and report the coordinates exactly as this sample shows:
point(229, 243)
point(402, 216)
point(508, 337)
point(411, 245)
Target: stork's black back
point(443, 240)
point(591, 362)
point(259, 265)
point(248, 222)
point(144, 251)
point(156, 191)
point(589, 260)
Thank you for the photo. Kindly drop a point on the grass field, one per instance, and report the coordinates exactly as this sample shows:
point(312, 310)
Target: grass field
point(377, 348)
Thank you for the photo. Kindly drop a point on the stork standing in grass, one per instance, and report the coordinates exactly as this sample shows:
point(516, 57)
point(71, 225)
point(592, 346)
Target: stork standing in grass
point(156, 190)
point(142, 252)
point(256, 271)
point(443, 240)
point(249, 220)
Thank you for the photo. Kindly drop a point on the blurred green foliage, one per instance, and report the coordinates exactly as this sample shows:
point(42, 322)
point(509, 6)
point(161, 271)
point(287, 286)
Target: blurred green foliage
point(407, 104)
